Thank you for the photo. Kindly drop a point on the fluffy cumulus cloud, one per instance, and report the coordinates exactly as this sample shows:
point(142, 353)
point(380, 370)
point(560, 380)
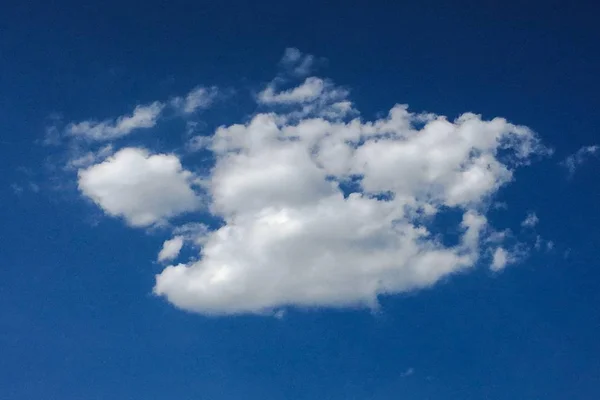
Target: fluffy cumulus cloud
point(143, 189)
point(142, 117)
point(330, 212)
point(315, 206)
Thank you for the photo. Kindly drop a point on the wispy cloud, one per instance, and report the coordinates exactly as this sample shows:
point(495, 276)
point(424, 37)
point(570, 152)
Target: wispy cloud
point(530, 221)
point(197, 99)
point(407, 373)
point(572, 162)
point(141, 117)
point(309, 90)
point(83, 160)
point(296, 62)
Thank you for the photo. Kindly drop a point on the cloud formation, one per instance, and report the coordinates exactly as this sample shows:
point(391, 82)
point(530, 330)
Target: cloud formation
point(500, 259)
point(323, 212)
point(197, 99)
point(141, 117)
point(315, 206)
point(89, 158)
point(296, 62)
point(530, 221)
point(170, 249)
point(143, 189)
point(309, 90)
point(579, 157)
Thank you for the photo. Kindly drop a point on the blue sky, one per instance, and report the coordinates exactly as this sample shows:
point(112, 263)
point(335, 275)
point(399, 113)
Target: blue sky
point(230, 201)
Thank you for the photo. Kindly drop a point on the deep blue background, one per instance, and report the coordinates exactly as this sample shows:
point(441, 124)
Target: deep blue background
point(77, 320)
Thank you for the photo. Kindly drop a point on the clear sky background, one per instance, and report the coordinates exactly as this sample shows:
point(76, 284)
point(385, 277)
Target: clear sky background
point(88, 311)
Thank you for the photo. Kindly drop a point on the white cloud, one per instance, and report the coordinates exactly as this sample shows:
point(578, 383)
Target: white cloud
point(530, 221)
point(309, 90)
point(197, 99)
point(89, 158)
point(296, 62)
point(170, 249)
point(579, 157)
point(193, 232)
point(142, 117)
point(500, 259)
point(314, 206)
point(313, 98)
point(144, 189)
point(199, 142)
point(292, 237)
